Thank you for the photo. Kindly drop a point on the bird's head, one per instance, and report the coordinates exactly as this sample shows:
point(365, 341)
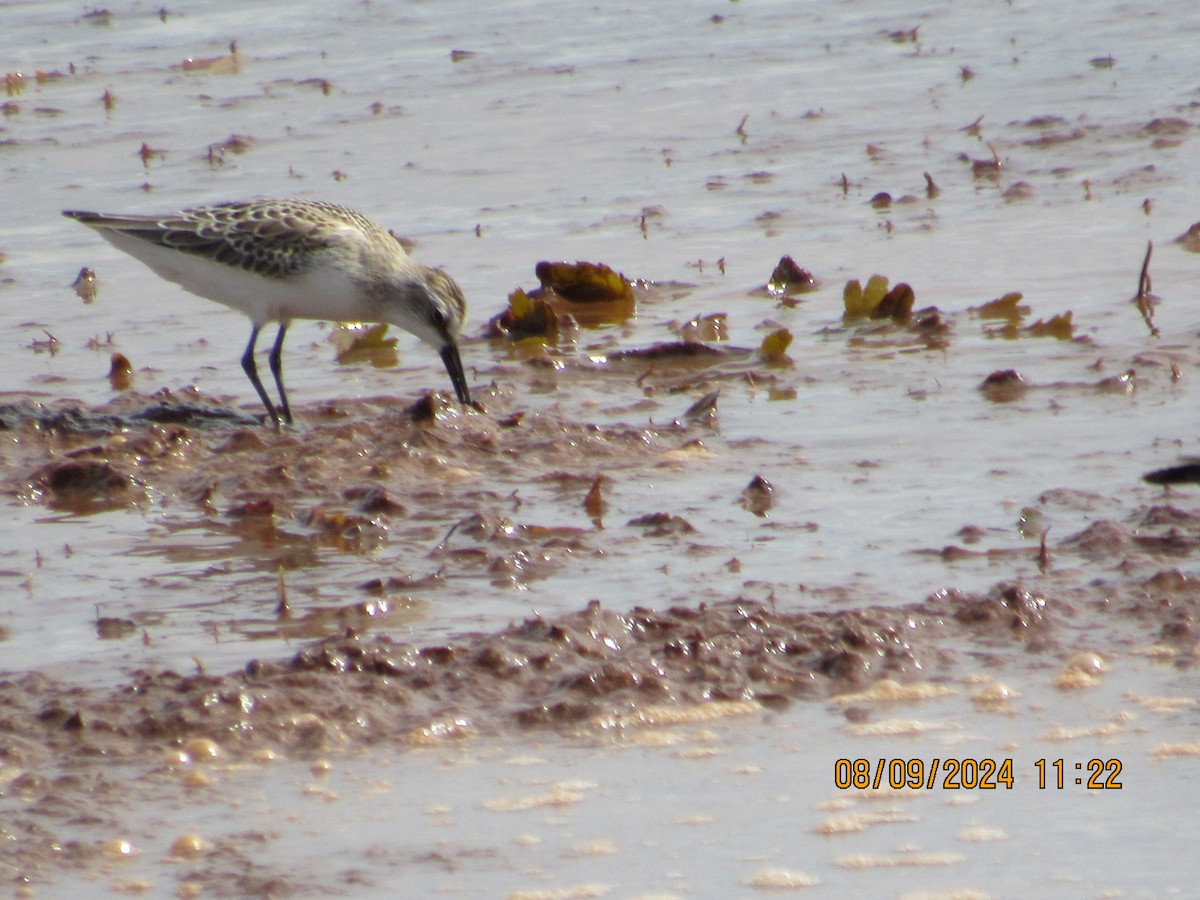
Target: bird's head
point(432, 306)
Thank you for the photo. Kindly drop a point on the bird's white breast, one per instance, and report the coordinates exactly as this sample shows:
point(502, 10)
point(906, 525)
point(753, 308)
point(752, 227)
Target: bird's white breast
point(322, 290)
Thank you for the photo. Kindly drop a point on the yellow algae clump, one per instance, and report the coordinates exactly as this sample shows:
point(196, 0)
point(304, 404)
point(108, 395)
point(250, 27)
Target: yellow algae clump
point(194, 778)
point(907, 860)
point(892, 727)
point(979, 834)
point(1165, 751)
point(700, 752)
point(679, 715)
point(1008, 307)
point(519, 304)
point(528, 317)
point(695, 820)
point(202, 749)
point(1061, 734)
point(1083, 670)
point(860, 821)
point(774, 345)
point(584, 282)
point(441, 730)
point(356, 342)
point(782, 879)
point(1087, 661)
point(189, 846)
point(575, 892)
point(119, 848)
point(591, 293)
point(876, 301)
point(689, 453)
point(1162, 704)
point(874, 292)
point(1060, 327)
point(888, 690)
point(994, 696)
point(559, 795)
point(854, 300)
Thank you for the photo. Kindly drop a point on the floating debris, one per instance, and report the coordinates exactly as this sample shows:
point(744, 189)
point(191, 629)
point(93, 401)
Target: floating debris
point(227, 64)
point(758, 496)
point(526, 317)
point(774, 345)
point(704, 410)
point(120, 372)
point(593, 503)
point(875, 301)
point(86, 285)
point(712, 327)
point(235, 143)
point(1060, 327)
point(663, 524)
point(585, 282)
point(590, 294)
point(14, 83)
point(1006, 307)
point(789, 279)
point(147, 153)
point(1187, 473)
point(357, 342)
point(1190, 239)
point(1004, 386)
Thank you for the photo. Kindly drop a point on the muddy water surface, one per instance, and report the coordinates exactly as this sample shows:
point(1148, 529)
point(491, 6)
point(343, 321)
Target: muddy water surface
point(610, 632)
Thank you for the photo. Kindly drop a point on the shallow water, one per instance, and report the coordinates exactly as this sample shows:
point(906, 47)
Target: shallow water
point(617, 140)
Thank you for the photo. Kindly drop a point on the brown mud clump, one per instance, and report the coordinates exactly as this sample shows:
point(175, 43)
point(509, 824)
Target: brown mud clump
point(788, 279)
point(592, 669)
point(595, 668)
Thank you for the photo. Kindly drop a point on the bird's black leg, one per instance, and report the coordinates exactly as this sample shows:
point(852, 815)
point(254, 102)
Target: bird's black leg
point(276, 361)
point(251, 371)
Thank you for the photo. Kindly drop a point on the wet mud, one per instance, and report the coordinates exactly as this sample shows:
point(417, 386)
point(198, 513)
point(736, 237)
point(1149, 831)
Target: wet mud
point(353, 471)
point(808, 497)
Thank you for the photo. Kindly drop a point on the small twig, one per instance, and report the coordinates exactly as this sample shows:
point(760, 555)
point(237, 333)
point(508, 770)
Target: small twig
point(1144, 278)
point(973, 128)
point(931, 189)
point(282, 609)
point(1044, 554)
point(1145, 300)
point(442, 544)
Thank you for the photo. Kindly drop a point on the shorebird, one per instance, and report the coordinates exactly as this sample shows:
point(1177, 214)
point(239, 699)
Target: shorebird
point(279, 260)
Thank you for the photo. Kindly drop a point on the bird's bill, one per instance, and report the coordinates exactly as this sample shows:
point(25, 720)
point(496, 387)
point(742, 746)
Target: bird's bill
point(457, 377)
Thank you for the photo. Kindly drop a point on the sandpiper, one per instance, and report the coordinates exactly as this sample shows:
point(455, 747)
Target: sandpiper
point(279, 260)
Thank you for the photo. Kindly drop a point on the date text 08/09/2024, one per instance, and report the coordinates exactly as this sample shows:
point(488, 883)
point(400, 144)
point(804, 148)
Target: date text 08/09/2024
point(972, 774)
